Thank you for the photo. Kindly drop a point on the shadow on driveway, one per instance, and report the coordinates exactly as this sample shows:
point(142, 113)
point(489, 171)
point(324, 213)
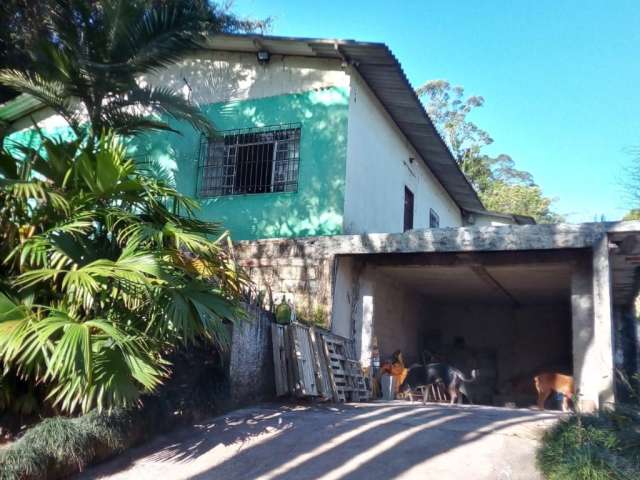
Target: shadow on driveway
point(352, 441)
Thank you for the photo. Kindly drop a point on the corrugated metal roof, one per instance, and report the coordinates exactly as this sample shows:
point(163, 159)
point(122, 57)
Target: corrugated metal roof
point(379, 68)
point(18, 107)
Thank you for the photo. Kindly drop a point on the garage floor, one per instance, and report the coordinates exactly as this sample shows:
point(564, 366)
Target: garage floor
point(379, 440)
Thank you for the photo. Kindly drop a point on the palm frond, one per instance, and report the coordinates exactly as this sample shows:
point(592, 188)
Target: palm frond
point(166, 102)
point(50, 92)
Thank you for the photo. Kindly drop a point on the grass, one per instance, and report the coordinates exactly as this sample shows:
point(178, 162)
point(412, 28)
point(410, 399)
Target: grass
point(602, 446)
point(60, 445)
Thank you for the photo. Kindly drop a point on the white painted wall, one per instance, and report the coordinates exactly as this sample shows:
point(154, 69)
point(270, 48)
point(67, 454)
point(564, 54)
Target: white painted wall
point(378, 168)
point(489, 220)
point(227, 76)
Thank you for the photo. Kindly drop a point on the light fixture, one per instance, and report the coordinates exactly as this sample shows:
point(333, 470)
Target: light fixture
point(263, 56)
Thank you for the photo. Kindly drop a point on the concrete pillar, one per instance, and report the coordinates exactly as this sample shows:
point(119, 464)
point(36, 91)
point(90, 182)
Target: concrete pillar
point(364, 319)
point(583, 332)
point(352, 312)
point(603, 321)
point(592, 327)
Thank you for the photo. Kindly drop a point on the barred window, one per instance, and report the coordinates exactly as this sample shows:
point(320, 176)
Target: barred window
point(255, 160)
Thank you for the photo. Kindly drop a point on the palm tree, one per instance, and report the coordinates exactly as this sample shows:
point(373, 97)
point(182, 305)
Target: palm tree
point(102, 277)
point(89, 65)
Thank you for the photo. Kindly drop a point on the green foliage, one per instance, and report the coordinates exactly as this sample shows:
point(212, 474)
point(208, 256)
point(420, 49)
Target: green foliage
point(314, 317)
point(633, 214)
point(61, 445)
point(519, 199)
point(500, 185)
point(106, 270)
point(92, 54)
point(603, 446)
point(448, 109)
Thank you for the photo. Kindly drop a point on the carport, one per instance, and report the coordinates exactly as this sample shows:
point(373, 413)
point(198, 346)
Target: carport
point(510, 301)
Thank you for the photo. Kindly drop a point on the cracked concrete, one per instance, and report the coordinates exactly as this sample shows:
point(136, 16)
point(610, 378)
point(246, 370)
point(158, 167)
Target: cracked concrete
point(380, 440)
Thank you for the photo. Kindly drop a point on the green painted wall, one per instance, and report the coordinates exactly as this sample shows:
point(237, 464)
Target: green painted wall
point(31, 138)
point(315, 209)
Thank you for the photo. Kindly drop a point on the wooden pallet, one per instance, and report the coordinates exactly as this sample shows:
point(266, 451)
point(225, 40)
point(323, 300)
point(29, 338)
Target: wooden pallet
point(347, 376)
point(309, 362)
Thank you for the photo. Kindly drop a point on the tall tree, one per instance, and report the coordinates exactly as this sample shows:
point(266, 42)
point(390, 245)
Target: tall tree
point(448, 109)
point(501, 186)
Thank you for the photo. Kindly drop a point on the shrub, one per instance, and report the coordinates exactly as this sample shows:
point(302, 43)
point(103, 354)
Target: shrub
point(59, 446)
point(602, 446)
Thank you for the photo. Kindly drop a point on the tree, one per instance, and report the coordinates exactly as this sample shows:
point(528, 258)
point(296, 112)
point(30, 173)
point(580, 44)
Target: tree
point(102, 275)
point(87, 57)
point(105, 267)
point(633, 214)
point(500, 185)
point(630, 185)
point(448, 109)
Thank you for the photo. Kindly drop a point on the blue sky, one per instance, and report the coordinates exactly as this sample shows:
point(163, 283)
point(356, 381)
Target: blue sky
point(561, 79)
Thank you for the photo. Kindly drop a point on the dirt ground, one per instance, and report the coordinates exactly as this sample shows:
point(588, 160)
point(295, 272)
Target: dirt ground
point(380, 440)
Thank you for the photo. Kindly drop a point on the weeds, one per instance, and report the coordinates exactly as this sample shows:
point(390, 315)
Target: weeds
point(601, 446)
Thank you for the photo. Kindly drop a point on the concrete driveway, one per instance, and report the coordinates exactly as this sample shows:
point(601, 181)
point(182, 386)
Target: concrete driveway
point(354, 441)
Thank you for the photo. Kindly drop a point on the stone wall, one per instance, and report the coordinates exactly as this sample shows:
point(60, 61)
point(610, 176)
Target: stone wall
point(294, 269)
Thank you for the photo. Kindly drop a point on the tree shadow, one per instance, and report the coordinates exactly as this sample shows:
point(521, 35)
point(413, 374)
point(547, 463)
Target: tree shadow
point(379, 440)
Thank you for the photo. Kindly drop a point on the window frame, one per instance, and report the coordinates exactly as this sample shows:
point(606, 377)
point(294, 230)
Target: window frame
point(219, 163)
point(409, 199)
point(434, 215)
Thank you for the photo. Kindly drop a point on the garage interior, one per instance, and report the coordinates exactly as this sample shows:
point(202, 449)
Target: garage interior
point(507, 314)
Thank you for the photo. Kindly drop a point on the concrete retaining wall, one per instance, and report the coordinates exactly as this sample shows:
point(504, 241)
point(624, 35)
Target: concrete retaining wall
point(251, 358)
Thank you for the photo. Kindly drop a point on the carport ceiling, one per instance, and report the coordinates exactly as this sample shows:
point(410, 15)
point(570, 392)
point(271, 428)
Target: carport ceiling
point(516, 285)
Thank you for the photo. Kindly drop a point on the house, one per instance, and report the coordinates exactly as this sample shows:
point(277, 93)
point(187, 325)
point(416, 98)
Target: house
point(343, 197)
point(316, 138)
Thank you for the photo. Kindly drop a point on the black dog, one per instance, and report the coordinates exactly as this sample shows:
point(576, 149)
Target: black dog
point(438, 373)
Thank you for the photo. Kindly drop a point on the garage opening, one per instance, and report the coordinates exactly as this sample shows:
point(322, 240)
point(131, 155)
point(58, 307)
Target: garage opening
point(507, 314)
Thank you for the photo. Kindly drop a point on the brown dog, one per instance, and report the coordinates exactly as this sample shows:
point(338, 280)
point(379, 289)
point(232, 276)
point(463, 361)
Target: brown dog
point(546, 383)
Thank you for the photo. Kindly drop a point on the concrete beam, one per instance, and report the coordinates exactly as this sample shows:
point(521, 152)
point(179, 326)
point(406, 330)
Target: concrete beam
point(486, 277)
point(465, 239)
point(566, 257)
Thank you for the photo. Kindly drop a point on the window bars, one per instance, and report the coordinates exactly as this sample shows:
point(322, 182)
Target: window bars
point(252, 160)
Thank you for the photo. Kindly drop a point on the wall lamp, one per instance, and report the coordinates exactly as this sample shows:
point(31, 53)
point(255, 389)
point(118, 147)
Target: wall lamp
point(263, 56)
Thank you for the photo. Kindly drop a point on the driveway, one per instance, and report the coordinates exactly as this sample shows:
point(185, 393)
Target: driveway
point(352, 441)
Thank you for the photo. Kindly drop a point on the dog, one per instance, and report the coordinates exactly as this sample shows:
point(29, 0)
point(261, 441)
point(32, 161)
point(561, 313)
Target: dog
point(546, 383)
point(421, 376)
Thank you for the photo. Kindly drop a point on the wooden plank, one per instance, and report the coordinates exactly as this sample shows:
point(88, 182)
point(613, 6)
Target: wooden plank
point(322, 372)
point(279, 360)
point(303, 361)
point(297, 387)
point(338, 396)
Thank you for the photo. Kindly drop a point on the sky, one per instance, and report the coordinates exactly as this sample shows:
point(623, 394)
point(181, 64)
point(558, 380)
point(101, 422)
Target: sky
point(560, 78)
